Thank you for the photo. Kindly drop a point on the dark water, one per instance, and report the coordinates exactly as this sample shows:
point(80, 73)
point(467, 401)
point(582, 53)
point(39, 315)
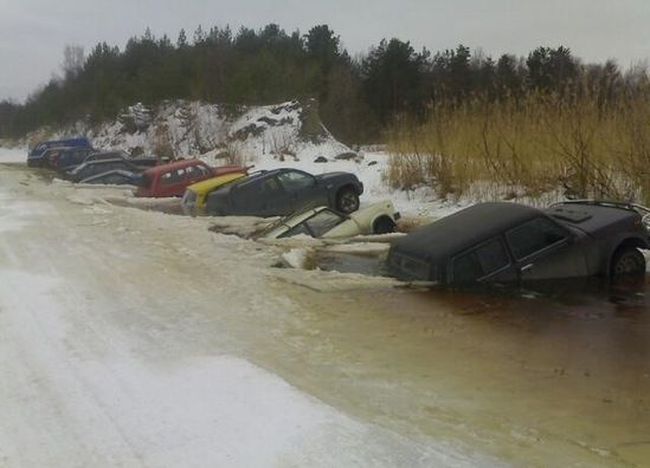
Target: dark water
point(551, 374)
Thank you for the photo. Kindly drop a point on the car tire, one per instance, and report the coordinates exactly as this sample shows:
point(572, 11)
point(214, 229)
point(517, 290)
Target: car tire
point(347, 200)
point(628, 261)
point(383, 225)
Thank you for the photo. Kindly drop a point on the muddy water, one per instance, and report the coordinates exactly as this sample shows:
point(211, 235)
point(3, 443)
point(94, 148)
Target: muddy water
point(546, 377)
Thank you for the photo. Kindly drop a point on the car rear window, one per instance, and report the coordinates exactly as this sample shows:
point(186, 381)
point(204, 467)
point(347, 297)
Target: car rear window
point(534, 236)
point(295, 181)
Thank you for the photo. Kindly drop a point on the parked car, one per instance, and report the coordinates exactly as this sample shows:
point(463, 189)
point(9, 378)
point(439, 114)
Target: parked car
point(171, 180)
point(65, 159)
point(282, 191)
point(196, 195)
point(92, 168)
point(507, 242)
point(114, 177)
point(35, 156)
point(323, 222)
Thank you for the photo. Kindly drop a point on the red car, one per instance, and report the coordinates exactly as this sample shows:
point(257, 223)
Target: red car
point(171, 180)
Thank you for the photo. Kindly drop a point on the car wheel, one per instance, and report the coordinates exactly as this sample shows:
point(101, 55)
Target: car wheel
point(347, 201)
point(628, 261)
point(383, 225)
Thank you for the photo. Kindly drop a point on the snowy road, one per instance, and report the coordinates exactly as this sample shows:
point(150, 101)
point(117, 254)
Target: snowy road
point(136, 338)
point(121, 343)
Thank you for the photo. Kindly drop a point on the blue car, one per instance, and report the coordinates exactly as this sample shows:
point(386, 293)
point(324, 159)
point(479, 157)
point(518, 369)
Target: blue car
point(35, 156)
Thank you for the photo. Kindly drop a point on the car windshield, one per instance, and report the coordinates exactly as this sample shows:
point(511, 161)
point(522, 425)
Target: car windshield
point(323, 222)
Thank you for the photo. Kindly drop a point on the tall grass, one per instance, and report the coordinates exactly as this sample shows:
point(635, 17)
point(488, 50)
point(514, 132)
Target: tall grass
point(578, 142)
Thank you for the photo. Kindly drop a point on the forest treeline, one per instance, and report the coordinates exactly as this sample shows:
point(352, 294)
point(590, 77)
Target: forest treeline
point(360, 96)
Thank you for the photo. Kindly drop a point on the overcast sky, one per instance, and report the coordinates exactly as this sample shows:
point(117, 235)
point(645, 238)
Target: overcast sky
point(34, 32)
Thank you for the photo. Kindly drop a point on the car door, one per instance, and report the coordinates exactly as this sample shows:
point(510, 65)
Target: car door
point(488, 262)
point(302, 189)
point(260, 196)
point(545, 250)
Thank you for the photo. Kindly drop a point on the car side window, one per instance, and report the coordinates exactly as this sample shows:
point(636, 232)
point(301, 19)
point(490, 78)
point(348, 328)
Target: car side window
point(322, 222)
point(533, 236)
point(269, 186)
point(294, 181)
point(480, 261)
point(201, 171)
point(166, 178)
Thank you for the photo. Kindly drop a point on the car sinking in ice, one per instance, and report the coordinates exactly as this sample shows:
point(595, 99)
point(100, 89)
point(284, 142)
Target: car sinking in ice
point(323, 222)
point(115, 177)
point(90, 169)
point(508, 242)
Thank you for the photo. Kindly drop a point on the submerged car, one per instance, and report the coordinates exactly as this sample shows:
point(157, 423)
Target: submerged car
point(196, 195)
point(114, 177)
point(323, 222)
point(35, 156)
point(93, 168)
point(171, 180)
point(508, 242)
point(283, 191)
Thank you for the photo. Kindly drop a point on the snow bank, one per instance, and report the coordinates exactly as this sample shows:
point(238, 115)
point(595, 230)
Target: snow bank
point(290, 130)
point(13, 155)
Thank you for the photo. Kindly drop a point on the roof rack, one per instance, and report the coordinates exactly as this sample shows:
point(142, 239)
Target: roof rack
point(614, 204)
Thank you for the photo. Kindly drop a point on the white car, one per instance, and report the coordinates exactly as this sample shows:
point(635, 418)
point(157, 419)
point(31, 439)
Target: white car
point(323, 222)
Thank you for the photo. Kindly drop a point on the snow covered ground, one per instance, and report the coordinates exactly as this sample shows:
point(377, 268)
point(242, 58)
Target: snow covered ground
point(122, 342)
point(13, 155)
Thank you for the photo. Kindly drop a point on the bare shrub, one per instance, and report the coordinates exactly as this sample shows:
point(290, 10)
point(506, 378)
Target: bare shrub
point(162, 145)
point(233, 153)
point(527, 146)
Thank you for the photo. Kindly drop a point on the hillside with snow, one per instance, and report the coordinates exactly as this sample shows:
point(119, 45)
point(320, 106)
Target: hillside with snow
point(287, 131)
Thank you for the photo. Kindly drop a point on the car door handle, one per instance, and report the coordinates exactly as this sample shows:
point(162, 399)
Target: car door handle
point(526, 268)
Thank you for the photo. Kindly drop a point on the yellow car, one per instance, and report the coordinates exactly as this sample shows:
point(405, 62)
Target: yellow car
point(196, 195)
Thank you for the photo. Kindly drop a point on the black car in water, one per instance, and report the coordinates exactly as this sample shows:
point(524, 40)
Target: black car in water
point(93, 168)
point(282, 191)
point(508, 242)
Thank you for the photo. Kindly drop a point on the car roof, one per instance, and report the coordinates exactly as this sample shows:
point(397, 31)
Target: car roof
point(172, 166)
point(210, 184)
point(105, 153)
point(453, 234)
point(62, 142)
